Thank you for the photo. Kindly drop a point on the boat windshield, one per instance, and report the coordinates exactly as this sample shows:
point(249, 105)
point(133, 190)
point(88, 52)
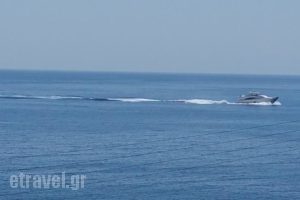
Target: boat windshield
point(253, 94)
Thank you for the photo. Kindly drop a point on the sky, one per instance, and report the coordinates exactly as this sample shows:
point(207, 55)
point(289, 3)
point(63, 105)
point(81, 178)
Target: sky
point(181, 36)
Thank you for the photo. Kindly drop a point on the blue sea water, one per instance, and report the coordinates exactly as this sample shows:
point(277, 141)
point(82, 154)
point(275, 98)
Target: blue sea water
point(150, 136)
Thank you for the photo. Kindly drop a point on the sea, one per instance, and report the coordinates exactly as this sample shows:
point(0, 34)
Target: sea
point(148, 136)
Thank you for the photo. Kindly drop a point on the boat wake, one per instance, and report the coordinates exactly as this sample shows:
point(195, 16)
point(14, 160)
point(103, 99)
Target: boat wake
point(37, 97)
point(209, 102)
point(133, 100)
point(136, 100)
point(203, 101)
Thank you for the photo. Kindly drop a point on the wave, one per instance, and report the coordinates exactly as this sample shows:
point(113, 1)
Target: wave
point(137, 100)
point(277, 103)
point(209, 102)
point(204, 101)
point(133, 100)
point(38, 97)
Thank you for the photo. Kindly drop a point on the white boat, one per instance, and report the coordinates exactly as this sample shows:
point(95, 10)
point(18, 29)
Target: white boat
point(255, 97)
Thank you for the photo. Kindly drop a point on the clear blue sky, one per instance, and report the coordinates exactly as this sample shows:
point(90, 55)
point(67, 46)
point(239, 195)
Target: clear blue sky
point(203, 36)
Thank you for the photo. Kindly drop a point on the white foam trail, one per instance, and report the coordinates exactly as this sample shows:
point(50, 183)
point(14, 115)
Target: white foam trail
point(136, 100)
point(210, 102)
point(56, 97)
point(204, 101)
point(133, 100)
point(277, 103)
point(14, 96)
point(39, 97)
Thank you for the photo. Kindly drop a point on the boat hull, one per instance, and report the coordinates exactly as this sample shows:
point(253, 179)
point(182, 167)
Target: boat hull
point(260, 100)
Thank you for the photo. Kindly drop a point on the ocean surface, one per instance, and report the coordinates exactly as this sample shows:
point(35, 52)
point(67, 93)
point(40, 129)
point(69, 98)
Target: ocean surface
point(150, 136)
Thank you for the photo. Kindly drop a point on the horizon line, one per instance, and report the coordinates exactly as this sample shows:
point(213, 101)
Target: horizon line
point(146, 72)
